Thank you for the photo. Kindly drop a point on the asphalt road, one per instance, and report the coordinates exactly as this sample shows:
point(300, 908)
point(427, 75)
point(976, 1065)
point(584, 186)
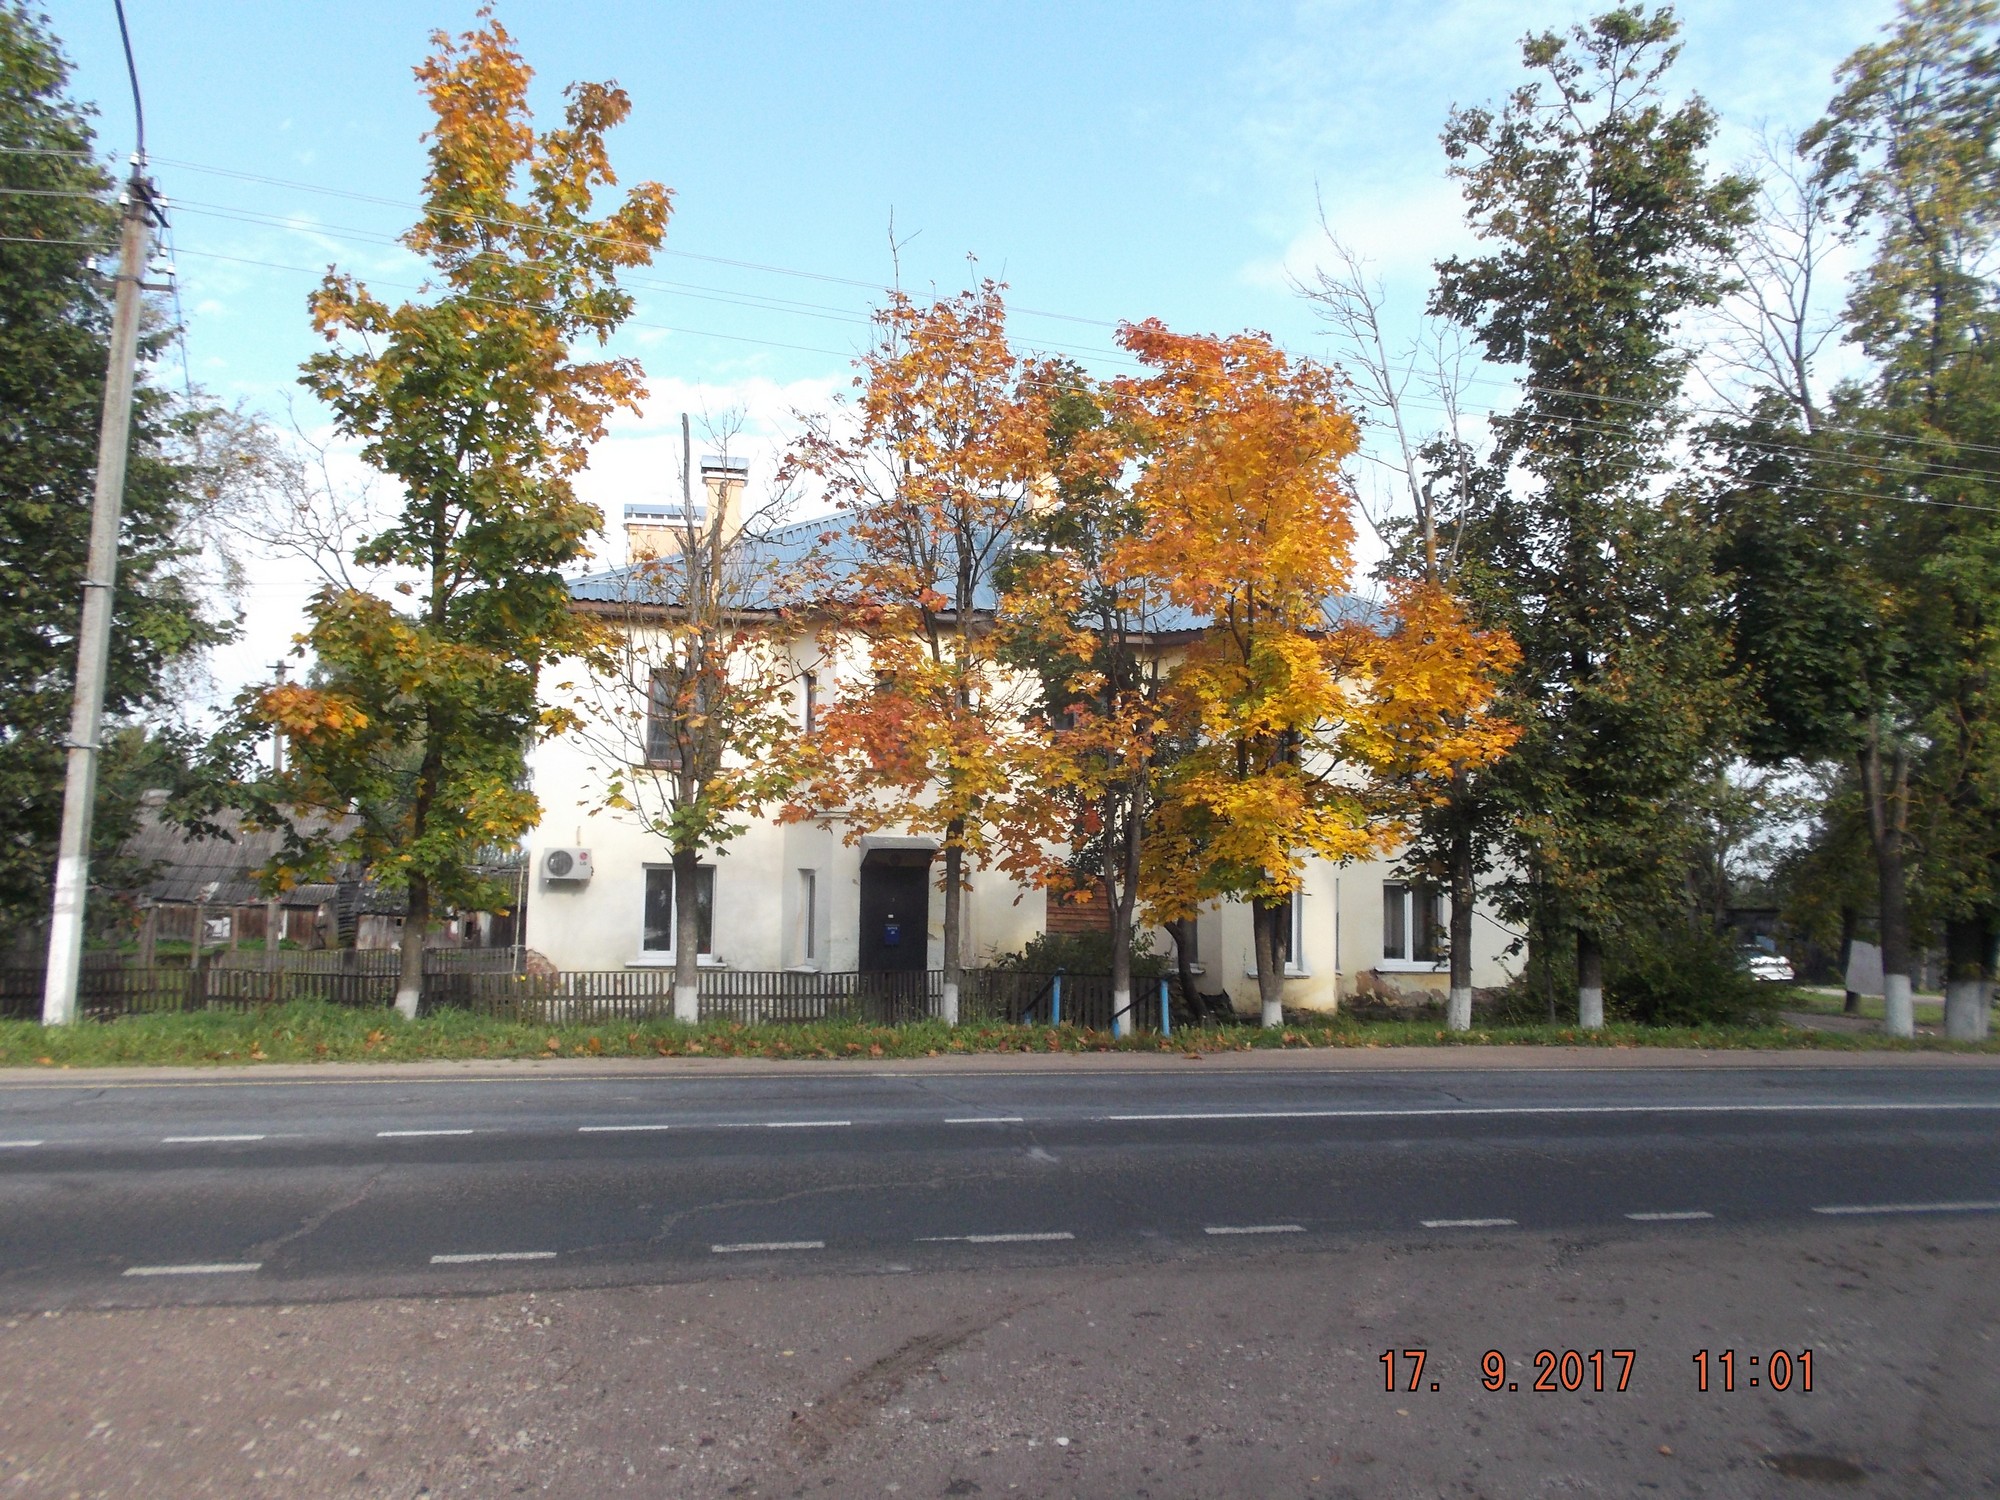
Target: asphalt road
point(131, 1193)
point(1082, 1277)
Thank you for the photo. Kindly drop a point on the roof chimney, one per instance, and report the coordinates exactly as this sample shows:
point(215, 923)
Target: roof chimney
point(722, 482)
point(659, 528)
point(654, 530)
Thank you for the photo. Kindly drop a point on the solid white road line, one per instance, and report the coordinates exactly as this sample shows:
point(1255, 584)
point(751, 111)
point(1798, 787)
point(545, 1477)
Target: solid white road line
point(756, 1247)
point(202, 1140)
point(1466, 1223)
point(1668, 1218)
point(205, 1268)
point(1254, 1229)
point(1977, 1207)
point(985, 1120)
point(615, 1129)
point(17, 1145)
point(1557, 1109)
point(387, 1133)
point(466, 1260)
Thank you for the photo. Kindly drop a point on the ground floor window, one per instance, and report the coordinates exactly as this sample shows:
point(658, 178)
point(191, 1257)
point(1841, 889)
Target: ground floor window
point(1292, 933)
point(1412, 922)
point(808, 915)
point(659, 922)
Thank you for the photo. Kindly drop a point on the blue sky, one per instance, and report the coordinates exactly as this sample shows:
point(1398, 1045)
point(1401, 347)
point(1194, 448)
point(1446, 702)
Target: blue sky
point(1108, 160)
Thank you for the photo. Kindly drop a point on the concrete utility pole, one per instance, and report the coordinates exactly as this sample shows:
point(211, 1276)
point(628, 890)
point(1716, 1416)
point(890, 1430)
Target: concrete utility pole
point(93, 646)
point(274, 912)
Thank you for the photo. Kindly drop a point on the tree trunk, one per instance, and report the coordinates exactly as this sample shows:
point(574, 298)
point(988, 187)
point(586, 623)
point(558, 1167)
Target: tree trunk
point(1121, 885)
point(1589, 981)
point(1121, 963)
point(1183, 965)
point(1850, 1004)
point(687, 939)
point(1264, 922)
point(1968, 977)
point(416, 919)
point(149, 935)
point(1887, 796)
point(954, 913)
point(1464, 891)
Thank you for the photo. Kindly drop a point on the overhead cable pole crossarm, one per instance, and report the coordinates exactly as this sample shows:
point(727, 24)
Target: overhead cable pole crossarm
point(72, 884)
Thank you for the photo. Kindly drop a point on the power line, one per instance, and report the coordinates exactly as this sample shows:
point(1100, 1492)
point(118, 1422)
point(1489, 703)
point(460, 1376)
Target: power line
point(765, 267)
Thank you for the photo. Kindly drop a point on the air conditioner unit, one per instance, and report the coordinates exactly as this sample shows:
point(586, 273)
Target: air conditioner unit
point(565, 864)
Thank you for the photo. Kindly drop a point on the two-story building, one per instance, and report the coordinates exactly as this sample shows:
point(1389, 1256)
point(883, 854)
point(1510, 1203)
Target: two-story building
point(804, 896)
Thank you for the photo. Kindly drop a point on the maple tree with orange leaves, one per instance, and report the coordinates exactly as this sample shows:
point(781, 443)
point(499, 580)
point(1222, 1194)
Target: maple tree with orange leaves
point(925, 729)
point(1302, 718)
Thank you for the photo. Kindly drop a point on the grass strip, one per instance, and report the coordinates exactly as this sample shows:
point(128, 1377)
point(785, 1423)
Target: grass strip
point(308, 1031)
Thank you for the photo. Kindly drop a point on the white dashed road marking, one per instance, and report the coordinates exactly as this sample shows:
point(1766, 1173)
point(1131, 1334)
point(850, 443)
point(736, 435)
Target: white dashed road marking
point(204, 1268)
point(614, 1129)
point(386, 1133)
point(469, 1259)
point(1467, 1223)
point(203, 1140)
point(754, 1248)
point(1984, 1207)
point(802, 1124)
point(1670, 1218)
point(993, 1239)
point(985, 1120)
point(1254, 1229)
point(17, 1145)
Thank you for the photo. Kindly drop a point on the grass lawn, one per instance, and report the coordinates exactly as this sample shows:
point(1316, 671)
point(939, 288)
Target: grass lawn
point(1821, 1001)
point(311, 1032)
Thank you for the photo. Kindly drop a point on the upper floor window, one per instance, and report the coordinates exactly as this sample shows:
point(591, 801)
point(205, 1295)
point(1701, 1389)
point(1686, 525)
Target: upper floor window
point(663, 746)
point(809, 693)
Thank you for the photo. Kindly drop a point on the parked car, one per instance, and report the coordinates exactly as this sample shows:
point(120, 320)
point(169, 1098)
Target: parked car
point(1762, 965)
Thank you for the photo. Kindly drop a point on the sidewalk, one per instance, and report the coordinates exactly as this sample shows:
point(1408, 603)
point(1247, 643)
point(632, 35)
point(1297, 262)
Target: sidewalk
point(1267, 1060)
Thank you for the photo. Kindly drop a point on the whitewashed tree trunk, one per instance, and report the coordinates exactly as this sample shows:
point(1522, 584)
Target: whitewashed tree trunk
point(1899, 1009)
point(1967, 1006)
point(1458, 1008)
point(1589, 983)
point(950, 1002)
point(1121, 1011)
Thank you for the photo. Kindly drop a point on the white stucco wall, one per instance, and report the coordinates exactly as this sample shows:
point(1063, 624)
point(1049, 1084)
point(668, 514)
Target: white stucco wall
point(596, 925)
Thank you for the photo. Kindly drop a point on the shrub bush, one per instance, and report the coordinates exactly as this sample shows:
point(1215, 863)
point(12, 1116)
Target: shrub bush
point(1080, 953)
point(1675, 975)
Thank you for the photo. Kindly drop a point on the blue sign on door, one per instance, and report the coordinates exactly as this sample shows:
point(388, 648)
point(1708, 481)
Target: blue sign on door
point(892, 934)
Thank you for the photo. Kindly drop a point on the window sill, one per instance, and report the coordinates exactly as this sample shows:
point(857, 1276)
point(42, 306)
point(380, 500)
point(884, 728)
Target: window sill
point(1412, 966)
point(666, 961)
point(1292, 971)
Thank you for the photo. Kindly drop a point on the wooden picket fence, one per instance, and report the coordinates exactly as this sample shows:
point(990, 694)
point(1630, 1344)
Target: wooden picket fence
point(750, 997)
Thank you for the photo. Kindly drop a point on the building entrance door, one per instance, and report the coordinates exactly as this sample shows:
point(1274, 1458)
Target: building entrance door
point(895, 910)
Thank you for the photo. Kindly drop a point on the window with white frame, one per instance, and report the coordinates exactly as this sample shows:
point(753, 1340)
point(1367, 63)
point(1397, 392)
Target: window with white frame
point(1412, 922)
point(809, 701)
point(1292, 933)
point(808, 916)
point(658, 928)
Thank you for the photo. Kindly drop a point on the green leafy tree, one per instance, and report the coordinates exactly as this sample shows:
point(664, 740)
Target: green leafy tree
point(1606, 230)
point(474, 403)
point(1908, 151)
point(60, 215)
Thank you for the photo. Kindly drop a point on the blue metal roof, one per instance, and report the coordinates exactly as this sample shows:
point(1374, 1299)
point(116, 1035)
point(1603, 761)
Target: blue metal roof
point(830, 541)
